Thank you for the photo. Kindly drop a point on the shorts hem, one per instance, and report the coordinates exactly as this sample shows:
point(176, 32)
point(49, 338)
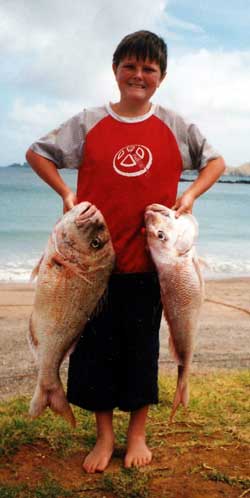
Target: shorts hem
point(122, 408)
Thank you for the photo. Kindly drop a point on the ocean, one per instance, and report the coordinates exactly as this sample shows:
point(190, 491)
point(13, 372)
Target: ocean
point(29, 209)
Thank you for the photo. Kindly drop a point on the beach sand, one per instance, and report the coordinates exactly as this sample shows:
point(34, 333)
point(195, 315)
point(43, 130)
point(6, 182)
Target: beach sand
point(223, 340)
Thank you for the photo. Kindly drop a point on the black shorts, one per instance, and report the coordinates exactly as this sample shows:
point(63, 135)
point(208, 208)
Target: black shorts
point(115, 363)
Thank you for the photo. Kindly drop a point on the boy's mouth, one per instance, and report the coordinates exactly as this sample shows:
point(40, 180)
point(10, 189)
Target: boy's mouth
point(137, 85)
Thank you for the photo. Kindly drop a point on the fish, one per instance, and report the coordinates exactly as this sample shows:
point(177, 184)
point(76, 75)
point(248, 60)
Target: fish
point(171, 243)
point(72, 277)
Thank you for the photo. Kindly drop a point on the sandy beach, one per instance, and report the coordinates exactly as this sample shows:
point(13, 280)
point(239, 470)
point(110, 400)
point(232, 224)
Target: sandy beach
point(223, 341)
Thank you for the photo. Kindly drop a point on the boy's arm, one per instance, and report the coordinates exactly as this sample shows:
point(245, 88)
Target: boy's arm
point(206, 178)
point(47, 170)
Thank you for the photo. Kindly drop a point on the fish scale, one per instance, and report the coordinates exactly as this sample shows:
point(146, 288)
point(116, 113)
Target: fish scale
point(72, 276)
point(171, 244)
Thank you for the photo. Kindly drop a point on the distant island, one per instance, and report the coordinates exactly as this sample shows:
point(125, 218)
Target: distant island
point(239, 174)
point(243, 170)
point(17, 165)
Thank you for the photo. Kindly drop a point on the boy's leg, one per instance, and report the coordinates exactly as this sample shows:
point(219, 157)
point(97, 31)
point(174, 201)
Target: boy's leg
point(92, 381)
point(139, 361)
point(138, 453)
point(98, 459)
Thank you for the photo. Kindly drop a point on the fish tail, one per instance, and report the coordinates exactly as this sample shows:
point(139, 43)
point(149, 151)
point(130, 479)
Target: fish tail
point(54, 398)
point(182, 391)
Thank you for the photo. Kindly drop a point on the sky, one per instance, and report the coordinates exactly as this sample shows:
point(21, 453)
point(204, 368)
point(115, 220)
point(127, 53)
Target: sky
point(56, 59)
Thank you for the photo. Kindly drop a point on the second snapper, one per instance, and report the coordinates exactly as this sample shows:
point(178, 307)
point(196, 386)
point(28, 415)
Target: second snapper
point(171, 244)
point(72, 277)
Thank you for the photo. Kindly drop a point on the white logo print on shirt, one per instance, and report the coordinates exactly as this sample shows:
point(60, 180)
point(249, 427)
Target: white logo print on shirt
point(132, 160)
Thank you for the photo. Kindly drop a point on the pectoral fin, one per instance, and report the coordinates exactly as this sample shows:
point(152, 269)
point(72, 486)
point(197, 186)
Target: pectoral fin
point(35, 270)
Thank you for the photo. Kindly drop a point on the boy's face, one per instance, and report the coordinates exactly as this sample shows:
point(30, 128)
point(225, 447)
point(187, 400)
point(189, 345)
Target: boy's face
point(137, 79)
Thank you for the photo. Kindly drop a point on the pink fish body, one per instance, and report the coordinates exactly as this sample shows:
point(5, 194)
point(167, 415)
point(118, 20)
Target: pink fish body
point(72, 277)
point(171, 244)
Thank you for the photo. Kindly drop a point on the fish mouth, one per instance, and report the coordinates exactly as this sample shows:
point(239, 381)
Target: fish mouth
point(88, 213)
point(158, 209)
point(154, 212)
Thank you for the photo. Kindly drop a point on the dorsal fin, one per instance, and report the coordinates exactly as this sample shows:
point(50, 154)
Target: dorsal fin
point(35, 270)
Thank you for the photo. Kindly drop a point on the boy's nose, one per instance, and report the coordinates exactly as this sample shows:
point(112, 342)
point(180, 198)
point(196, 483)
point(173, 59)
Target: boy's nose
point(138, 72)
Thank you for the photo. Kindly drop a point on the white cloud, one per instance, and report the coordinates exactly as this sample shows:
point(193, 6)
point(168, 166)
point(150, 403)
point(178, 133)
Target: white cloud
point(57, 59)
point(218, 81)
point(174, 22)
point(211, 89)
point(69, 45)
point(27, 122)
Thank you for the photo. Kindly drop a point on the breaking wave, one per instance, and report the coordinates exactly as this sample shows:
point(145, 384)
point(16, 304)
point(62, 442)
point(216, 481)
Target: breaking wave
point(218, 267)
point(17, 271)
point(212, 267)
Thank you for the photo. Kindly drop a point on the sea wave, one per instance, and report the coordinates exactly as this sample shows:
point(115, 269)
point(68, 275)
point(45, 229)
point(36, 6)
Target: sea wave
point(212, 267)
point(17, 271)
point(216, 267)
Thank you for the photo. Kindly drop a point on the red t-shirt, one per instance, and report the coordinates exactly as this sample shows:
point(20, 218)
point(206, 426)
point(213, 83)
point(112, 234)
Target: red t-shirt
point(126, 167)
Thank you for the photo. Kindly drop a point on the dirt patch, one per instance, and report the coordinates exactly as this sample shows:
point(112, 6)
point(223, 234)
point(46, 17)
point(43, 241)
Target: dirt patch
point(182, 467)
point(173, 474)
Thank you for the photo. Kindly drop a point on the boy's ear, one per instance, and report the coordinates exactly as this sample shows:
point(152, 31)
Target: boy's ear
point(114, 67)
point(163, 76)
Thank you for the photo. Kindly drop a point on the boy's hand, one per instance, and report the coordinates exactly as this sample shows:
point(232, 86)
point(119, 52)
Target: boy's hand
point(69, 201)
point(184, 204)
point(206, 178)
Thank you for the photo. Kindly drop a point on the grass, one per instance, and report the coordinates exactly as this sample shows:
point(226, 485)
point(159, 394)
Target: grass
point(218, 417)
point(47, 489)
point(214, 474)
point(17, 429)
point(132, 483)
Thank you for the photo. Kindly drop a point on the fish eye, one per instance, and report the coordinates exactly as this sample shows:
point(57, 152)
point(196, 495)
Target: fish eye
point(96, 243)
point(161, 235)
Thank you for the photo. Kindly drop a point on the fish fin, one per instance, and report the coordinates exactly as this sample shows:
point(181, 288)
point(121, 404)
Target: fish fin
point(32, 339)
point(196, 263)
point(54, 398)
point(100, 305)
point(181, 393)
point(35, 270)
point(60, 261)
point(172, 349)
point(203, 262)
point(71, 349)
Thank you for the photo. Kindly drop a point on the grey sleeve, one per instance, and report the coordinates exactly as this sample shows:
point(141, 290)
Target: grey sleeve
point(195, 150)
point(64, 145)
point(200, 151)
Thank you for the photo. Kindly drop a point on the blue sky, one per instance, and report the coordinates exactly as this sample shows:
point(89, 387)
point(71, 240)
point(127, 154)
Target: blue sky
point(219, 23)
point(56, 59)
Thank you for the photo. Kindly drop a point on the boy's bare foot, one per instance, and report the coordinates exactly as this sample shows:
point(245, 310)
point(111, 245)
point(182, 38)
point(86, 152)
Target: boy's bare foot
point(138, 454)
point(98, 459)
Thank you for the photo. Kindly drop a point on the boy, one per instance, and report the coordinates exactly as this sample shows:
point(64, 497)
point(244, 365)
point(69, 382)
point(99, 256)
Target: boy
point(129, 154)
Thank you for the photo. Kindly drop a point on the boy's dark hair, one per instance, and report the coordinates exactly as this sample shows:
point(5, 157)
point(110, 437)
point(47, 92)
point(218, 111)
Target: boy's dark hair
point(142, 44)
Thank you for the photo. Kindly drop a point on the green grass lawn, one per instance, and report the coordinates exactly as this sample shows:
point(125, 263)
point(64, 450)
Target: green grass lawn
point(218, 417)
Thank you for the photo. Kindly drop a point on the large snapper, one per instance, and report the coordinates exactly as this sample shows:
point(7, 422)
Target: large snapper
point(72, 276)
point(171, 244)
